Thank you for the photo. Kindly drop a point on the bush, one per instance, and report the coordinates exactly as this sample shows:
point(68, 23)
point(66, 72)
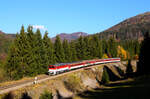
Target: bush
point(3, 75)
point(10, 95)
point(46, 95)
point(129, 70)
point(105, 77)
point(25, 96)
point(72, 83)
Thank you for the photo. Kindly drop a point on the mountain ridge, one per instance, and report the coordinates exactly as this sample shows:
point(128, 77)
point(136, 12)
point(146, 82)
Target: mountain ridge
point(131, 28)
point(70, 36)
point(138, 19)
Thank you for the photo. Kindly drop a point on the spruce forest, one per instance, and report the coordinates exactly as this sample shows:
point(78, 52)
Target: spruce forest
point(30, 54)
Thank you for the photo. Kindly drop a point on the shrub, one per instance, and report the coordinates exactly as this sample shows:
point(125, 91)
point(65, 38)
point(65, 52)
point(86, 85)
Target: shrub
point(46, 95)
point(10, 95)
point(129, 70)
point(105, 77)
point(73, 83)
point(25, 96)
point(3, 75)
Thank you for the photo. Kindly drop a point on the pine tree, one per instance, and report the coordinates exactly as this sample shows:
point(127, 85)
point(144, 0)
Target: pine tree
point(105, 47)
point(105, 77)
point(73, 51)
point(112, 47)
point(59, 51)
point(67, 51)
point(88, 47)
point(100, 50)
point(143, 64)
point(12, 63)
point(49, 50)
point(39, 53)
point(96, 47)
point(17, 56)
point(137, 47)
point(22, 45)
point(129, 70)
point(31, 56)
point(81, 49)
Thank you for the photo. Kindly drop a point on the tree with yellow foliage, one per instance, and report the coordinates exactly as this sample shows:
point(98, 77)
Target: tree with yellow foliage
point(105, 56)
point(121, 52)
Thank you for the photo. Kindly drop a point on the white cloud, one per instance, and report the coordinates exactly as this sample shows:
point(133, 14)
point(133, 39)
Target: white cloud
point(39, 27)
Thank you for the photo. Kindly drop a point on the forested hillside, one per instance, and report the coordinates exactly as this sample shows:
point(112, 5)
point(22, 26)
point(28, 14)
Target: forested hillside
point(129, 29)
point(5, 42)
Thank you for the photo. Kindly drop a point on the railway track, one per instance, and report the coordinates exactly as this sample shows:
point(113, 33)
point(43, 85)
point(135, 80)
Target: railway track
point(12, 87)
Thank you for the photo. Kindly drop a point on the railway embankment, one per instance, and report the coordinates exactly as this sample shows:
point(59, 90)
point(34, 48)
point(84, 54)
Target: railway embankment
point(71, 83)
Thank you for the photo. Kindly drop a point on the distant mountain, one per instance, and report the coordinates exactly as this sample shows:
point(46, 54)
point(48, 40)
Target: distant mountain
point(132, 28)
point(5, 42)
point(11, 36)
point(69, 37)
point(1, 32)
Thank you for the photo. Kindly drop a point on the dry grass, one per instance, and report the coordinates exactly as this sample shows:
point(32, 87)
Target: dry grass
point(17, 81)
point(73, 83)
point(3, 76)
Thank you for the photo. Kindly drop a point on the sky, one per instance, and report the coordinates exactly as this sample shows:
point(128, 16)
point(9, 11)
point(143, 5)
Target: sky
point(67, 16)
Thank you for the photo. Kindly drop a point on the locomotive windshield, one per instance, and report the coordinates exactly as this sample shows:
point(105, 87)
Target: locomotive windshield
point(51, 66)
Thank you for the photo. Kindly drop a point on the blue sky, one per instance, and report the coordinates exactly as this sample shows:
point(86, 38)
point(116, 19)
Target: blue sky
point(68, 16)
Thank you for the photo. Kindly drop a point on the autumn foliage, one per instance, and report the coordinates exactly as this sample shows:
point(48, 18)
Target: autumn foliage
point(122, 53)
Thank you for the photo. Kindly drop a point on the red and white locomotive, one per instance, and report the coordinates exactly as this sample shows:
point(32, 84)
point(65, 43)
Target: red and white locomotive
point(62, 67)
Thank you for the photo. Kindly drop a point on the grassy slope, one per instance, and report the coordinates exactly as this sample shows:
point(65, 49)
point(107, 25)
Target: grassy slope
point(138, 88)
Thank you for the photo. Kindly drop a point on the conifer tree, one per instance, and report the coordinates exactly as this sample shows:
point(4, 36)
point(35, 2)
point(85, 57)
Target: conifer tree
point(112, 47)
point(143, 64)
point(105, 77)
point(81, 49)
point(67, 51)
point(96, 47)
point(22, 45)
point(39, 53)
point(31, 56)
point(129, 70)
point(12, 63)
point(105, 47)
point(49, 50)
point(88, 47)
point(73, 51)
point(17, 56)
point(100, 51)
point(59, 51)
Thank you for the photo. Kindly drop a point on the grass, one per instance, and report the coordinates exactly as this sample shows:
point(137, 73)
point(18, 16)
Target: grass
point(3, 76)
point(73, 83)
point(17, 81)
point(138, 88)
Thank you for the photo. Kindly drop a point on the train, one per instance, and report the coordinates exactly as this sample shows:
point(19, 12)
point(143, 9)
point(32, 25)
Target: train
point(55, 69)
